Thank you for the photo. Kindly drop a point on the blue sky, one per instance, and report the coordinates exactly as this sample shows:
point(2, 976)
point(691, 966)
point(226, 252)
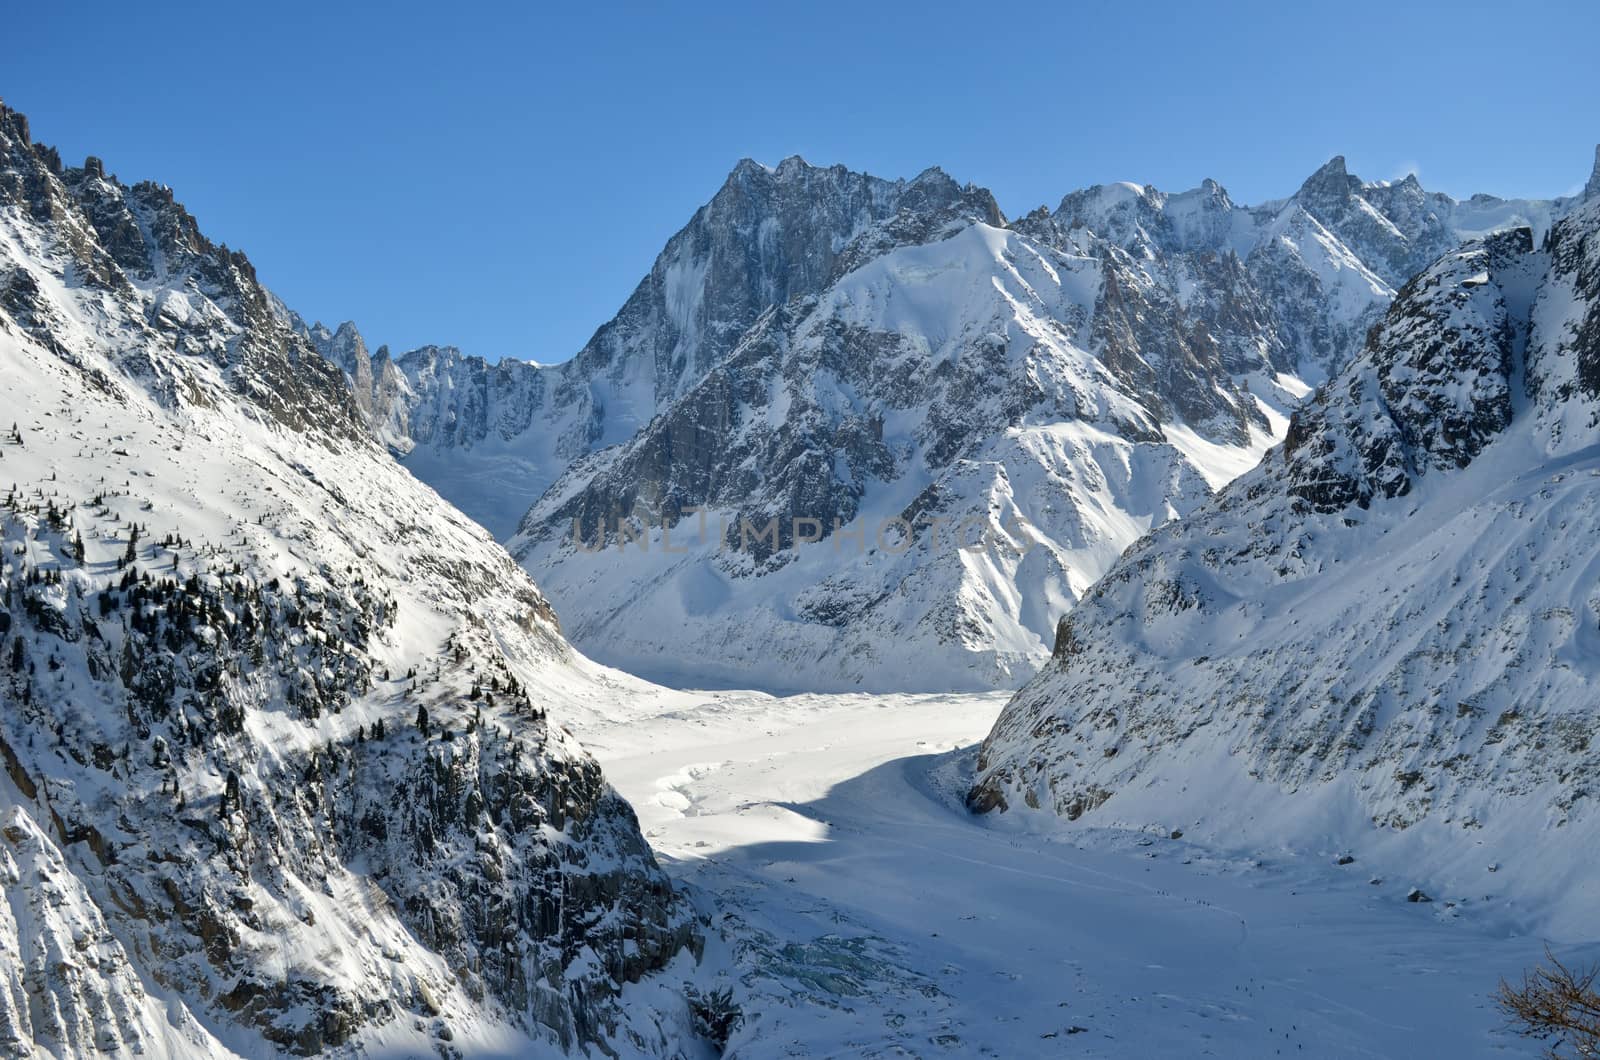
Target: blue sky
point(499, 176)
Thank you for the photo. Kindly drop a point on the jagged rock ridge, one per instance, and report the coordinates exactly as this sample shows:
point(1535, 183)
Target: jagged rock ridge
point(492, 437)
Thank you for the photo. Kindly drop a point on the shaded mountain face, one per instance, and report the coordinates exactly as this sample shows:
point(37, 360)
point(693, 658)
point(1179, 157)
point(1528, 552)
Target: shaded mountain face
point(822, 353)
point(279, 727)
point(1390, 622)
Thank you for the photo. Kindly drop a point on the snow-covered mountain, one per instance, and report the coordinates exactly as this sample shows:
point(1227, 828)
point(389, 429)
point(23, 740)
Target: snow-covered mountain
point(281, 729)
point(1052, 387)
point(930, 397)
point(1384, 636)
point(493, 437)
point(832, 350)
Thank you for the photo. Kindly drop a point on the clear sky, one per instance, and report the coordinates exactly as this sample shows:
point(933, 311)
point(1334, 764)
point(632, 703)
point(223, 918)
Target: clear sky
point(500, 176)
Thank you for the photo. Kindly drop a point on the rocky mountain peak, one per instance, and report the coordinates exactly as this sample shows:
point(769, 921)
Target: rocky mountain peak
point(1146, 221)
point(1214, 192)
point(767, 236)
point(14, 123)
point(1331, 182)
point(1592, 189)
point(1397, 228)
point(935, 175)
point(792, 167)
point(346, 348)
point(139, 247)
point(343, 345)
point(1086, 205)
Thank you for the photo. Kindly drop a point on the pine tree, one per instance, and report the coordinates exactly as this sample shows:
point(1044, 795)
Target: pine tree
point(422, 720)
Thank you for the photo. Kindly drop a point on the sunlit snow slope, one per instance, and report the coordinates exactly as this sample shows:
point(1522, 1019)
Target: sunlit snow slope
point(1388, 634)
point(936, 390)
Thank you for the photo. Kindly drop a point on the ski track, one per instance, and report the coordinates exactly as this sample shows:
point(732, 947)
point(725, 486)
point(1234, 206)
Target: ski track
point(863, 912)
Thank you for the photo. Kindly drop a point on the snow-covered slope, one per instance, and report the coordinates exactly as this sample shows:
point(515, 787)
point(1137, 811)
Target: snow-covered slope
point(865, 913)
point(224, 613)
point(1047, 391)
point(1384, 635)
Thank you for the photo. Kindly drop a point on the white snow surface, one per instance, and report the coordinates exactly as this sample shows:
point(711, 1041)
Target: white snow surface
point(1059, 493)
point(862, 911)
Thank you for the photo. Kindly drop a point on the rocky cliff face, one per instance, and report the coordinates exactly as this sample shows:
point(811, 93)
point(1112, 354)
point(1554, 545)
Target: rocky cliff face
point(1390, 621)
point(280, 729)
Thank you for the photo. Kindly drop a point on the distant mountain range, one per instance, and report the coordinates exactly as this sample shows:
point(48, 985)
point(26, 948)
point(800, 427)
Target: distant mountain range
point(861, 355)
